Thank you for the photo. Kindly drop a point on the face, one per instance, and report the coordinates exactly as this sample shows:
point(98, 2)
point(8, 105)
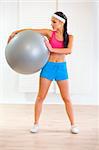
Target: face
point(56, 24)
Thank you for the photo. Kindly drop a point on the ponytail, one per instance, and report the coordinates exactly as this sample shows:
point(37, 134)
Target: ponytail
point(65, 34)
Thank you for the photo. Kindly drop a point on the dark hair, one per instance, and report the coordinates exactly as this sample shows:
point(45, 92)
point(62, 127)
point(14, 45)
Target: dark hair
point(65, 34)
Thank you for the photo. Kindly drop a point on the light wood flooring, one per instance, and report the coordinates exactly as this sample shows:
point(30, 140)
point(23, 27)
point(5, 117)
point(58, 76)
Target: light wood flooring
point(16, 122)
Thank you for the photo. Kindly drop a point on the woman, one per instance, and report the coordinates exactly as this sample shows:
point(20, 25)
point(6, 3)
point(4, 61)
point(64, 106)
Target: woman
point(59, 45)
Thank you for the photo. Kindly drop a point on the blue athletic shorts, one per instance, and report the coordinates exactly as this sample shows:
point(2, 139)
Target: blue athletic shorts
point(54, 71)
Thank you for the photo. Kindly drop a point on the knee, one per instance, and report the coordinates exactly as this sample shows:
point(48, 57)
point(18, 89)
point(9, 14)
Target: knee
point(40, 98)
point(66, 100)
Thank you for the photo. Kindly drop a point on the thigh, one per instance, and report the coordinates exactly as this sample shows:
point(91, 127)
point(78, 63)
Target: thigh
point(44, 85)
point(64, 88)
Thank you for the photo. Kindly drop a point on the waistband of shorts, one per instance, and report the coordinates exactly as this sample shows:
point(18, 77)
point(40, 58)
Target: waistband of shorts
point(51, 62)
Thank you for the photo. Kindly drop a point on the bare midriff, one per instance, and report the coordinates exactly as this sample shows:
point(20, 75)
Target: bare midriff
point(54, 57)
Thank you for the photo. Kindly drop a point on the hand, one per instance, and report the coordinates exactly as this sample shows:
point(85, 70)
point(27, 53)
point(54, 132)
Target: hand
point(12, 36)
point(48, 45)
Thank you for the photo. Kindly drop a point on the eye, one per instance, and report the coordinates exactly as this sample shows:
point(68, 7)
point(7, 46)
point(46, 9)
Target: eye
point(54, 21)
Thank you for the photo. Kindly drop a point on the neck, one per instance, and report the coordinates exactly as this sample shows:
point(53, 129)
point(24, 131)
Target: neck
point(60, 31)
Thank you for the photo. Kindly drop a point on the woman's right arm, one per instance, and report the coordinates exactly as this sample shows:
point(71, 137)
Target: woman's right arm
point(45, 32)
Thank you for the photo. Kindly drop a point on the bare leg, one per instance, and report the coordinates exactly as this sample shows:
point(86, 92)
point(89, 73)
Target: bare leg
point(64, 90)
point(44, 85)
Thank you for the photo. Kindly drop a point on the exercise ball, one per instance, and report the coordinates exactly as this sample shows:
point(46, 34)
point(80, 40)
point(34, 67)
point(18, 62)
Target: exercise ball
point(27, 53)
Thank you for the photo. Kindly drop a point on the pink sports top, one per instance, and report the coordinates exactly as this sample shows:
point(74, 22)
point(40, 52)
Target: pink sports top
point(55, 43)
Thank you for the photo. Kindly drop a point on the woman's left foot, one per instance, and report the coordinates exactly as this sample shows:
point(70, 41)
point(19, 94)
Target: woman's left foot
point(74, 129)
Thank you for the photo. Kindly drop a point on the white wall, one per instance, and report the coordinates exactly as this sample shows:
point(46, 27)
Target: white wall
point(97, 52)
point(82, 63)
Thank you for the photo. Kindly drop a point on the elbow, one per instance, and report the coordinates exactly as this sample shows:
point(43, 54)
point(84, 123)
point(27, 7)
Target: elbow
point(70, 51)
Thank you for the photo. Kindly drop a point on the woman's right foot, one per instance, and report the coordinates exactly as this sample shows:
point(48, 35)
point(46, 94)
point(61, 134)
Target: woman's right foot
point(35, 128)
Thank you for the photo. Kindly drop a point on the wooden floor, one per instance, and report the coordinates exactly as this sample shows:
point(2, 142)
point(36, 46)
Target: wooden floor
point(16, 121)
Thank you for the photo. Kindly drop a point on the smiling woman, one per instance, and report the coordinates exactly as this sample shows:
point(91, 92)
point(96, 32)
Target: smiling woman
point(73, 69)
point(59, 45)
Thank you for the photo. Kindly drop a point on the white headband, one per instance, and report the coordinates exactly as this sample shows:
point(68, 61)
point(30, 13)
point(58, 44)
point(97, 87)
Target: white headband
point(59, 18)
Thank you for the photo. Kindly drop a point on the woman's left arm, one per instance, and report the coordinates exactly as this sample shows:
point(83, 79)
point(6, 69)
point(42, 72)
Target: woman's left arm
point(65, 51)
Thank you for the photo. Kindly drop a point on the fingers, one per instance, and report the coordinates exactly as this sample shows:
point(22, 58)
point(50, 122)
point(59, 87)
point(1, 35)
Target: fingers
point(9, 39)
point(45, 40)
point(11, 36)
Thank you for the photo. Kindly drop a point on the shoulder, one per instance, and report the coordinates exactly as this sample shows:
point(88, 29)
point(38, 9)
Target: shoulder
point(49, 32)
point(45, 32)
point(70, 36)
